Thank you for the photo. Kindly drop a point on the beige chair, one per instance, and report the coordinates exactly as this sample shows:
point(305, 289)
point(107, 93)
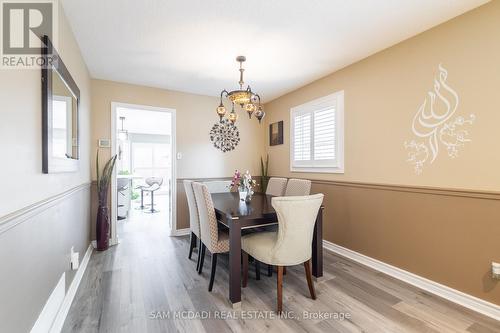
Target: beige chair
point(276, 186)
point(216, 241)
point(194, 220)
point(291, 244)
point(218, 186)
point(298, 187)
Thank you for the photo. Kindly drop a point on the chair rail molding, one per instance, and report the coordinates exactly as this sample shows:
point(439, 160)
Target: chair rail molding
point(13, 219)
point(468, 301)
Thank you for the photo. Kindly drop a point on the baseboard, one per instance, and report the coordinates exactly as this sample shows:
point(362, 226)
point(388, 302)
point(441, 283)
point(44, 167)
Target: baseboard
point(51, 307)
point(180, 232)
point(453, 295)
point(70, 295)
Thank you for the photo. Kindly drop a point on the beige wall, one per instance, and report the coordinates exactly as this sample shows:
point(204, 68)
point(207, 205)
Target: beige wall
point(383, 92)
point(21, 130)
point(436, 234)
point(195, 115)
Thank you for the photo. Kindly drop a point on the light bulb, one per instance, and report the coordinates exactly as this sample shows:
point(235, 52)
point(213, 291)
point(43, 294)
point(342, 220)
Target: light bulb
point(233, 116)
point(250, 108)
point(221, 110)
point(259, 114)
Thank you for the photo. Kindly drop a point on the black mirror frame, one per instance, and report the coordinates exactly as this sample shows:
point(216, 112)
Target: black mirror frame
point(52, 61)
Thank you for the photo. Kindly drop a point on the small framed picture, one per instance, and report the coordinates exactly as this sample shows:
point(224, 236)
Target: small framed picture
point(276, 133)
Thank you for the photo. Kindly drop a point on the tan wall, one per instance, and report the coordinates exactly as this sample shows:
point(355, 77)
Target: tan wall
point(384, 91)
point(445, 238)
point(195, 115)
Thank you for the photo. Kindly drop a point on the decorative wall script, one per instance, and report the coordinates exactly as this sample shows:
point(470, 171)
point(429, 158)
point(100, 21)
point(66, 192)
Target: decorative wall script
point(436, 126)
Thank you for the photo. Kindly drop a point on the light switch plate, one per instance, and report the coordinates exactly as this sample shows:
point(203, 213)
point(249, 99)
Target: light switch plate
point(104, 143)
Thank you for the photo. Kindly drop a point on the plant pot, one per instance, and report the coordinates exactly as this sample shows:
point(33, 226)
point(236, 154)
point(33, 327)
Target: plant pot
point(102, 228)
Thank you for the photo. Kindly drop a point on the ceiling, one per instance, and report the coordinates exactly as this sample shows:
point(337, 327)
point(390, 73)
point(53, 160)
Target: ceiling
point(191, 45)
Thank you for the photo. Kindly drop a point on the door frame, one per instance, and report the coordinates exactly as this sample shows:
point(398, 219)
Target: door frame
point(173, 195)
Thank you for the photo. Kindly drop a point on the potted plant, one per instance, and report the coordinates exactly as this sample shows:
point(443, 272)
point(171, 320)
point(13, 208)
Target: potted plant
point(102, 223)
point(264, 169)
point(244, 184)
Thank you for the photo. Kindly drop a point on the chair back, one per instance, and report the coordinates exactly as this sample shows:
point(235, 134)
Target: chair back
point(276, 186)
point(218, 186)
point(296, 220)
point(209, 233)
point(194, 220)
point(298, 187)
point(154, 180)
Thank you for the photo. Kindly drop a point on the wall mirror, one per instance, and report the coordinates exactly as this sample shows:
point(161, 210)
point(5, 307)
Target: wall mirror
point(60, 118)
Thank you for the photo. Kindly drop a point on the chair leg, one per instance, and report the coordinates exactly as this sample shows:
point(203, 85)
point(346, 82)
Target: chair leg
point(212, 274)
point(200, 246)
point(257, 269)
point(307, 266)
point(244, 267)
point(192, 244)
point(269, 270)
point(202, 259)
point(279, 287)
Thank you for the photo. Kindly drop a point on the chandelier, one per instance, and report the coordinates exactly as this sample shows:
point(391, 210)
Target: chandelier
point(245, 98)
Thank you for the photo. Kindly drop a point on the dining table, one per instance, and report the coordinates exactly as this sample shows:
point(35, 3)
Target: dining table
point(238, 215)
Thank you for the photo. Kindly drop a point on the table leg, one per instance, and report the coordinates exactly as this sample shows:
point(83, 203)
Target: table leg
point(235, 263)
point(317, 246)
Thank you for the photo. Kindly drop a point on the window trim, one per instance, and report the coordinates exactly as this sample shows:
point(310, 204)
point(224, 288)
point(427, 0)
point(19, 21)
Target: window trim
point(336, 99)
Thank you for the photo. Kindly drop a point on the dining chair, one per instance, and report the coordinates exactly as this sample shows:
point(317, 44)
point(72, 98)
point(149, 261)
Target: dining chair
point(291, 244)
point(218, 186)
point(298, 187)
point(276, 186)
point(213, 239)
point(194, 220)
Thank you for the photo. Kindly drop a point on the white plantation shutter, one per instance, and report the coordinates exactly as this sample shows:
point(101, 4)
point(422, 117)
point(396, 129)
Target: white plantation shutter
point(302, 137)
point(317, 135)
point(324, 134)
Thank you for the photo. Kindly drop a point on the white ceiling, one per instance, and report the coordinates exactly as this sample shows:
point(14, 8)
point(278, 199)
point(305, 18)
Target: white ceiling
point(191, 45)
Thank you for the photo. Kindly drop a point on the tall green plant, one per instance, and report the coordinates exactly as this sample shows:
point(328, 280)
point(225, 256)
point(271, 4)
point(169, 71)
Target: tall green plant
point(104, 179)
point(264, 168)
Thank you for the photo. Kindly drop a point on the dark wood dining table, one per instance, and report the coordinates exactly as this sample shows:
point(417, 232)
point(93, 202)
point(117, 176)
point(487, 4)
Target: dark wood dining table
point(238, 215)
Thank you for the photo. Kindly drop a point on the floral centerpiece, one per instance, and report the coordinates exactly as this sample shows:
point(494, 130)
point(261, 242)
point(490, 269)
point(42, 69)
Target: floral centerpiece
point(244, 184)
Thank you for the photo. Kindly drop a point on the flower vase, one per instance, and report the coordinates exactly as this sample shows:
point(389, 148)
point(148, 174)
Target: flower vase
point(102, 228)
point(248, 197)
point(243, 195)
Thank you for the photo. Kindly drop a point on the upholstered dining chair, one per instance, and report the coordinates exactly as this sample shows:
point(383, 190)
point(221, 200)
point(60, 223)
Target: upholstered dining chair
point(291, 244)
point(212, 239)
point(194, 220)
point(218, 186)
point(298, 187)
point(276, 186)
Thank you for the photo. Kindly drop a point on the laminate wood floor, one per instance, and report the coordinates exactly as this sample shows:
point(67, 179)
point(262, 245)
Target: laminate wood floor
point(147, 284)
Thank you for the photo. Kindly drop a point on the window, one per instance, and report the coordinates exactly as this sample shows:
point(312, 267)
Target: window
point(317, 135)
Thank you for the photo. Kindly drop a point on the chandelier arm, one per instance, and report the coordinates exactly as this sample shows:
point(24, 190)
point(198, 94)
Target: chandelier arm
point(222, 94)
point(258, 97)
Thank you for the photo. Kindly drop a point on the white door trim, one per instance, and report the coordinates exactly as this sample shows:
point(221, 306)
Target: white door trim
point(173, 213)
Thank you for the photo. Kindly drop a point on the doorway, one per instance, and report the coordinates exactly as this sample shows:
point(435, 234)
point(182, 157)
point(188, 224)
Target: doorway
point(144, 183)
